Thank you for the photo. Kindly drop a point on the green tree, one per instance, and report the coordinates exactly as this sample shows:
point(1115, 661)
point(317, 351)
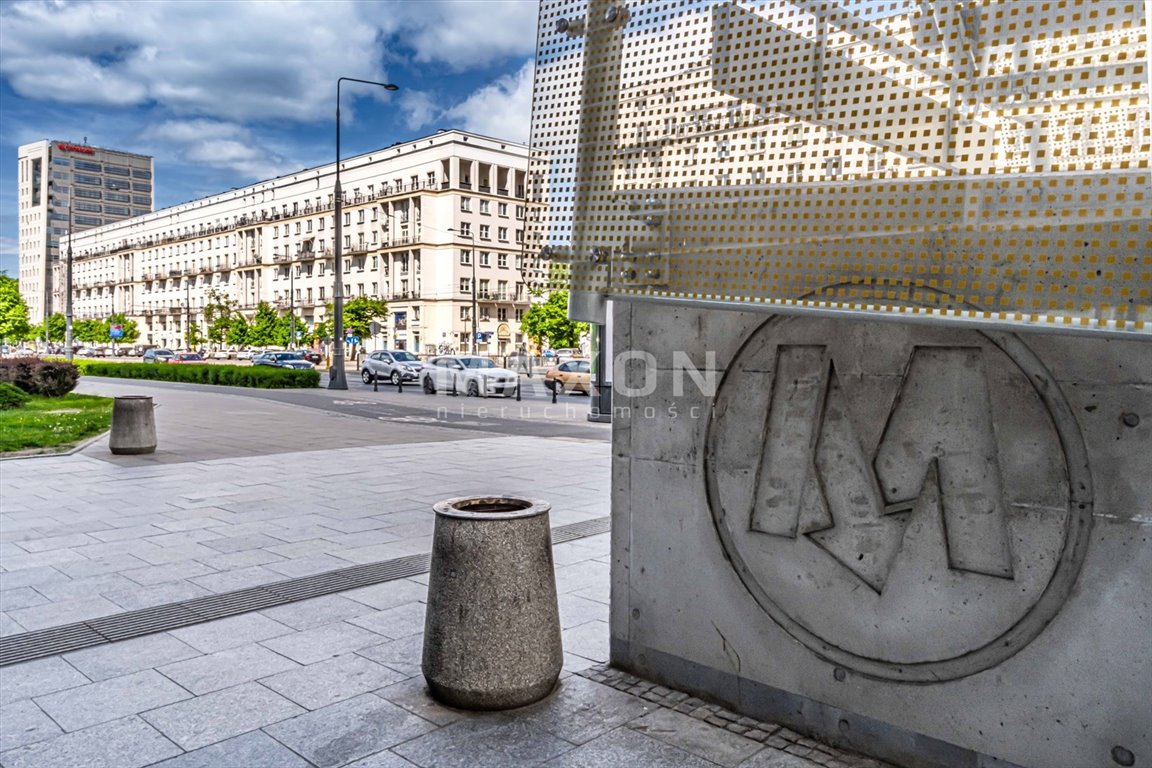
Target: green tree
point(13, 310)
point(89, 331)
point(56, 324)
point(547, 324)
point(262, 329)
point(359, 314)
point(221, 314)
point(238, 332)
point(131, 330)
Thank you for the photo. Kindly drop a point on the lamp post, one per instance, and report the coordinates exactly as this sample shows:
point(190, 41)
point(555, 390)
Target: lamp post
point(67, 291)
point(473, 260)
point(337, 378)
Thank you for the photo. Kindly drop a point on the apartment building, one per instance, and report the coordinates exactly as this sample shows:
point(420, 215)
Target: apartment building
point(96, 185)
point(421, 220)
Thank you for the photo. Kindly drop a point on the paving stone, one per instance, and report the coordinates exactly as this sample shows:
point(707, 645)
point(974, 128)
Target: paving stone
point(575, 610)
point(145, 597)
point(231, 561)
point(242, 578)
point(158, 574)
point(230, 632)
point(627, 747)
point(30, 577)
point(403, 655)
point(126, 743)
point(99, 565)
point(56, 542)
point(312, 645)
point(56, 614)
point(221, 715)
point(95, 703)
point(775, 758)
point(384, 759)
point(127, 532)
point(390, 594)
point(25, 723)
point(116, 659)
point(225, 669)
point(38, 678)
point(589, 640)
point(412, 694)
point(348, 730)
point(692, 735)
point(401, 621)
point(330, 681)
point(580, 710)
point(239, 543)
point(21, 597)
point(251, 750)
point(493, 740)
point(40, 559)
point(304, 614)
point(307, 566)
point(9, 626)
point(86, 587)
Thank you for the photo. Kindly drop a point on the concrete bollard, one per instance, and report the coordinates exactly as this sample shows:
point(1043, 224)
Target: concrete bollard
point(492, 630)
point(133, 425)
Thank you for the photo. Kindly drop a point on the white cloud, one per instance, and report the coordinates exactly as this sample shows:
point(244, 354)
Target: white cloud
point(502, 108)
point(215, 144)
point(463, 34)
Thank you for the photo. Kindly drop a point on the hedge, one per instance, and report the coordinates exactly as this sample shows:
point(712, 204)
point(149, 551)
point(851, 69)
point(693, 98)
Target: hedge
point(12, 397)
point(50, 378)
point(258, 376)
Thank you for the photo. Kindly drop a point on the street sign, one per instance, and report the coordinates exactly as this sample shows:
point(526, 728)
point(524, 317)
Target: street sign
point(352, 339)
point(116, 331)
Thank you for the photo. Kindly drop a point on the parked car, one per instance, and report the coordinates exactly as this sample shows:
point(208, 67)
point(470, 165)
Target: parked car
point(186, 357)
point(282, 360)
point(567, 353)
point(221, 354)
point(393, 365)
point(312, 356)
point(570, 376)
point(92, 352)
point(158, 355)
point(473, 376)
point(248, 354)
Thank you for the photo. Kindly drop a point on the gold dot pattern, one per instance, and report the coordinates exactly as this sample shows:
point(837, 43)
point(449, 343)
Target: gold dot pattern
point(984, 160)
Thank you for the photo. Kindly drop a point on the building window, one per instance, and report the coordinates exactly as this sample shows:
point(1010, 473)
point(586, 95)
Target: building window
point(485, 232)
point(520, 236)
point(502, 234)
point(466, 258)
point(347, 218)
point(465, 285)
point(484, 288)
point(501, 314)
point(360, 216)
point(464, 315)
point(465, 229)
point(485, 258)
point(502, 260)
point(502, 209)
point(466, 204)
point(485, 207)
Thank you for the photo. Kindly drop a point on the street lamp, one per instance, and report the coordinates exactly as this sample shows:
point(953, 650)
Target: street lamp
point(337, 378)
point(472, 259)
point(67, 290)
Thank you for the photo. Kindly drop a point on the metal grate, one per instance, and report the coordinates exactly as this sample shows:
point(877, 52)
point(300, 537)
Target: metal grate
point(28, 646)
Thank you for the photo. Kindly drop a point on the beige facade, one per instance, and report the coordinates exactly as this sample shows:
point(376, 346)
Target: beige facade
point(97, 186)
point(415, 216)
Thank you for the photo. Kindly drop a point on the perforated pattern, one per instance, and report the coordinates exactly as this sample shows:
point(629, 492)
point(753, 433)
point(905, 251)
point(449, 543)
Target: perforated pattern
point(973, 161)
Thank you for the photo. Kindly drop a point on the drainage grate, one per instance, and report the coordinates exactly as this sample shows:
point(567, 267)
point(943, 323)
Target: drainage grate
point(27, 646)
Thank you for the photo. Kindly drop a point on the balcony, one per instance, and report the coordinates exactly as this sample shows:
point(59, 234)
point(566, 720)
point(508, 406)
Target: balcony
point(281, 258)
point(403, 295)
point(359, 248)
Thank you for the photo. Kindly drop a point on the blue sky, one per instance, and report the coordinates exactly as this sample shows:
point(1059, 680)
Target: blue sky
point(228, 92)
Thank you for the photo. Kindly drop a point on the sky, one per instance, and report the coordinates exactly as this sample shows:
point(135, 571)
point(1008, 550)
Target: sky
point(225, 93)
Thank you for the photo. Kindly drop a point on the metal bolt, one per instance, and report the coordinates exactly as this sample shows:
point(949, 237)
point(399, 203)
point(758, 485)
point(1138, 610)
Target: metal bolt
point(653, 221)
point(599, 254)
point(1130, 419)
point(628, 274)
point(653, 274)
point(562, 25)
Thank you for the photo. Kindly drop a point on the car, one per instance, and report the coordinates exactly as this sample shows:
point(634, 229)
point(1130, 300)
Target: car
point(221, 354)
point(186, 357)
point(244, 354)
point(473, 376)
point(570, 376)
point(567, 353)
point(158, 355)
point(282, 360)
point(311, 356)
point(92, 352)
point(393, 365)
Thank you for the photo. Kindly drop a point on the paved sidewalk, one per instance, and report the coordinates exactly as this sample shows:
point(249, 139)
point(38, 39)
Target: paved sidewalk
point(245, 492)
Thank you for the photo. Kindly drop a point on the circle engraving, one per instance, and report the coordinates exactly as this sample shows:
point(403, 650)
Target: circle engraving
point(910, 502)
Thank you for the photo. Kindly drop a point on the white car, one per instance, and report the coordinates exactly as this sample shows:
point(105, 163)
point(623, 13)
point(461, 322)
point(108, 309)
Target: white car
point(472, 376)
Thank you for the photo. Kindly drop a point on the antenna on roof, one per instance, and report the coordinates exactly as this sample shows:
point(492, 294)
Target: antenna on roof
point(85, 141)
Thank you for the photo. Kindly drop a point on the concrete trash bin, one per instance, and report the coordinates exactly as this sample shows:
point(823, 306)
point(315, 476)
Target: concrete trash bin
point(492, 630)
point(133, 425)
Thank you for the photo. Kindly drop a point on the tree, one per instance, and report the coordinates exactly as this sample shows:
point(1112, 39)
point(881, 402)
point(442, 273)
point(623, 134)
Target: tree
point(13, 310)
point(221, 314)
point(548, 325)
point(359, 314)
point(131, 330)
point(262, 329)
point(56, 323)
point(238, 332)
point(89, 331)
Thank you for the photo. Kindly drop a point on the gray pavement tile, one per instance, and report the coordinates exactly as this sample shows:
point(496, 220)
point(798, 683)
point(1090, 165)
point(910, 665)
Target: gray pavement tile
point(364, 538)
point(575, 610)
point(330, 681)
point(494, 740)
point(394, 623)
point(412, 694)
point(221, 715)
point(241, 578)
point(30, 577)
point(79, 588)
point(126, 743)
point(589, 640)
point(348, 730)
point(122, 533)
point(182, 537)
point(402, 655)
point(188, 524)
point(307, 566)
point(316, 611)
point(352, 525)
point(696, 736)
point(25, 723)
point(323, 642)
point(581, 710)
point(55, 614)
point(581, 575)
point(146, 597)
point(244, 559)
point(626, 747)
point(115, 659)
point(601, 593)
point(306, 546)
point(390, 594)
point(95, 567)
point(155, 555)
point(37, 678)
point(385, 759)
point(88, 705)
point(40, 559)
point(227, 544)
point(57, 542)
point(158, 574)
point(230, 632)
point(21, 597)
point(573, 664)
point(251, 750)
point(9, 625)
point(225, 669)
point(771, 757)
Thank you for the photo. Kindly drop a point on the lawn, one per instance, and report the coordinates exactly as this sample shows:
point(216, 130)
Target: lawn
point(48, 422)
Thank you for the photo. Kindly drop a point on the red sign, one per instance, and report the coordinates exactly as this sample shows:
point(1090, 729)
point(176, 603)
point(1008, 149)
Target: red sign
point(76, 148)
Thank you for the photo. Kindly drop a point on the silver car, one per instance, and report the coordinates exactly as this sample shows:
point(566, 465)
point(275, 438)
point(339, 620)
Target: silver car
point(392, 365)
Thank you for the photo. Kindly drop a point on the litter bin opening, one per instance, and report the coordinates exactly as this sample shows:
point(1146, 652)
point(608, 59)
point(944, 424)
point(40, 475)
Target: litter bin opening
point(491, 507)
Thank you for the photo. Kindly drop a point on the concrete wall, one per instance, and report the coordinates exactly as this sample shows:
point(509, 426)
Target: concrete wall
point(934, 545)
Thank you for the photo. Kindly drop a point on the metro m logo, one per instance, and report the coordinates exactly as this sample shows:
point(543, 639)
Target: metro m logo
point(938, 447)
